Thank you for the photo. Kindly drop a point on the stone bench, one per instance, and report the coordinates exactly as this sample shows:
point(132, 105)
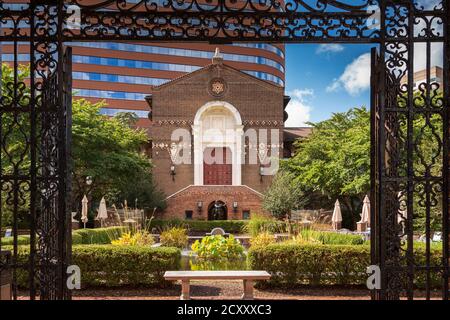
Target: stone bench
point(185, 277)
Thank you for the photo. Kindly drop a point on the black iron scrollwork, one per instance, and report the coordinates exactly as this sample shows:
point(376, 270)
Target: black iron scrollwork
point(410, 124)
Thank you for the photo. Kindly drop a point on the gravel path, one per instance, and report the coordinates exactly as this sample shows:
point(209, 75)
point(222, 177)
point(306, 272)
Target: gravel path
point(223, 290)
point(227, 290)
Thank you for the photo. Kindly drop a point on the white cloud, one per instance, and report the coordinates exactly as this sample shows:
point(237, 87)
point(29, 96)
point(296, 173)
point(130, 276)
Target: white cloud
point(428, 4)
point(298, 109)
point(356, 77)
point(329, 48)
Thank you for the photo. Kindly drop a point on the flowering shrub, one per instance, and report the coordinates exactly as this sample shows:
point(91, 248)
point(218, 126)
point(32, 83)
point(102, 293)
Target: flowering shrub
point(217, 264)
point(263, 239)
point(218, 247)
point(141, 238)
point(305, 238)
point(175, 237)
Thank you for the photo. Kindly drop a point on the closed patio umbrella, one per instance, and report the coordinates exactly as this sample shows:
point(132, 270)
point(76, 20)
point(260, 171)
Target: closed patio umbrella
point(84, 211)
point(365, 213)
point(336, 219)
point(102, 211)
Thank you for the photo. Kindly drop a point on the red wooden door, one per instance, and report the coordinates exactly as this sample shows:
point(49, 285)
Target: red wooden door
point(217, 172)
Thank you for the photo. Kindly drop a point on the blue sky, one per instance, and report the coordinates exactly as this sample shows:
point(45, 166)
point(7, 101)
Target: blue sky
point(322, 79)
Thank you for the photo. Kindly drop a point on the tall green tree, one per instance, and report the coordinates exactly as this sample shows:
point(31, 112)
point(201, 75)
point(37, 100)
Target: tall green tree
point(334, 161)
point(108, 150)
point(282, 196)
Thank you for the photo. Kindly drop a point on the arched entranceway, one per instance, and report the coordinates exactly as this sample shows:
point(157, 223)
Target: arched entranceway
point(217, 210)
point(218, 125)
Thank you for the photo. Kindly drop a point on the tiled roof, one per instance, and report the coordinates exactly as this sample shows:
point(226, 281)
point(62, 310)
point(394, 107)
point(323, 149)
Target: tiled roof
point(291, 134)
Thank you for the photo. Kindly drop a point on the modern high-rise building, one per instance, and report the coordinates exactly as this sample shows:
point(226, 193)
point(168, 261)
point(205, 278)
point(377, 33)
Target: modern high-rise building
point(123, 73)
point(436, 75)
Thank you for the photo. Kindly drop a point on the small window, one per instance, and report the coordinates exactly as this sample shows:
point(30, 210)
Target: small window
point(188, 214)
point(246, 214)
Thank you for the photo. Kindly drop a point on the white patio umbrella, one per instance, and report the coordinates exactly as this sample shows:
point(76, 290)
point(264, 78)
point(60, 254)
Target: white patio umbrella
point(102, 211)
point(84, 211)
point(365, 213)
point(336, 219)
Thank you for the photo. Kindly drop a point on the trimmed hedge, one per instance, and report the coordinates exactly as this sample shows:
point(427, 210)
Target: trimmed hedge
point(99, 235)
point(21, 240)
point(293, 264)
point(77, 238)
point(230, 226)
point(80, 236)
point(115, 266)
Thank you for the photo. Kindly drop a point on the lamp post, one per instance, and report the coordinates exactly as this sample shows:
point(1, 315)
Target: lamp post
point(172, 172)
point(235, 207)
point(89, 182)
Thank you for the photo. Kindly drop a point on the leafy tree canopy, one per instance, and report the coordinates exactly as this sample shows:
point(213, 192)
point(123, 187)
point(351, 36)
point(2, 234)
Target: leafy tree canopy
point(106, 149)
point(109, 151)
point(335, 159)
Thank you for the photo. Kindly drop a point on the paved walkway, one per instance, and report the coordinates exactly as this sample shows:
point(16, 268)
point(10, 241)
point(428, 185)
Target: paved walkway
point(223, 290)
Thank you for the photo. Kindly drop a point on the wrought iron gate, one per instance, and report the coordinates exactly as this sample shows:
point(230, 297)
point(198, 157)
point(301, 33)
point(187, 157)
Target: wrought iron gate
point(35, 113)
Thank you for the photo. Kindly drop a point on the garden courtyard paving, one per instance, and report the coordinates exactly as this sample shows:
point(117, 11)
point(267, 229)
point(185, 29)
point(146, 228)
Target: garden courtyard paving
point(220, 290)
point(228, 290)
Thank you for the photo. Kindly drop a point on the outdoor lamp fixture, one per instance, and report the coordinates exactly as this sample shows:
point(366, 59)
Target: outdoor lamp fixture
point(89, 181)
point(235, 206)
point(261, 173)
point(172, 172)
point(199, 206)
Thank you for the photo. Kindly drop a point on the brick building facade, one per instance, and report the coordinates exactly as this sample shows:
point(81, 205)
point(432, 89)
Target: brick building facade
point(217, 135)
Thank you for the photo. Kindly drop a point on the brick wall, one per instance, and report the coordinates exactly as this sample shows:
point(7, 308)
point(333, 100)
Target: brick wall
point(175, 104)
point(188, 198)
